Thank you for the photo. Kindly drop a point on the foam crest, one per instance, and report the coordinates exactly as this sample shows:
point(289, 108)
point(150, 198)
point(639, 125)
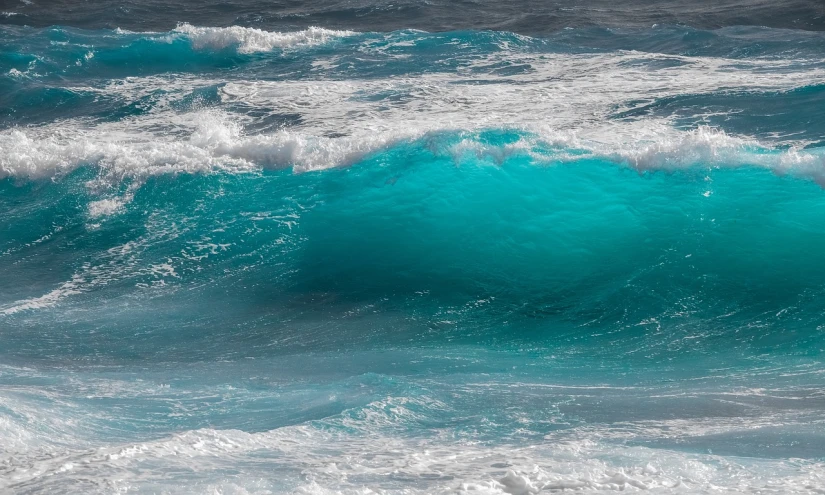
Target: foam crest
point(707, 147)
point(219, 144)
point(119, 156)
point(252, 40)
point(216, 144)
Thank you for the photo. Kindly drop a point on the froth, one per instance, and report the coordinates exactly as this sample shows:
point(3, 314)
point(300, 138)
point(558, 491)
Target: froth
point(251, 40)
point(218, 143)
point(332, 462)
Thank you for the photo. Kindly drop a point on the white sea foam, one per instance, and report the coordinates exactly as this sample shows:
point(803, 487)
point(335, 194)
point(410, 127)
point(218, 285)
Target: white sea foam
point(362, 459)
point(218, 144)
point(60, 435)
point(108, 206)
point(251, 40)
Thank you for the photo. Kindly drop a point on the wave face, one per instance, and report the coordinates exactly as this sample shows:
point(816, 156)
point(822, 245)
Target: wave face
point(503, 255)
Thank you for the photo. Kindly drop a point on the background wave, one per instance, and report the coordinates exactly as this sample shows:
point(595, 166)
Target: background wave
point(441, 15)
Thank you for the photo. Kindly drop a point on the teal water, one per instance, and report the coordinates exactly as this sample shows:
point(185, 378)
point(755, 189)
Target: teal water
point(239, 261)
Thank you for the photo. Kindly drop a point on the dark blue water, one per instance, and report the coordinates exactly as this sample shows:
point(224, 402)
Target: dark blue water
point(520, 16)
point(412, 247)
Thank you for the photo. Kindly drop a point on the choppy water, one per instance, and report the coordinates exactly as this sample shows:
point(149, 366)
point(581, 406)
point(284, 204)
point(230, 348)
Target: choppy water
point(418, 247)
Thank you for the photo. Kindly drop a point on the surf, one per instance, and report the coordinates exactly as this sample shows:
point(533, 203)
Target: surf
point(320, 250)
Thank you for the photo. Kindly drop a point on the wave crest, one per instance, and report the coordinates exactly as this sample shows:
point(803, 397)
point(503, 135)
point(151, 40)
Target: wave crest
point(217, 143)
point(252, 40)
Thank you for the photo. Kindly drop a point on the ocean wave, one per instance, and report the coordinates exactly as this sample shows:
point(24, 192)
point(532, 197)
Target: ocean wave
point(486, 251)
point(572, 222)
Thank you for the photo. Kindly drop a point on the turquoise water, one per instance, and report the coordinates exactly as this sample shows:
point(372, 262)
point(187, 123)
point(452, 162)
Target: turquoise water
point(242, 261)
